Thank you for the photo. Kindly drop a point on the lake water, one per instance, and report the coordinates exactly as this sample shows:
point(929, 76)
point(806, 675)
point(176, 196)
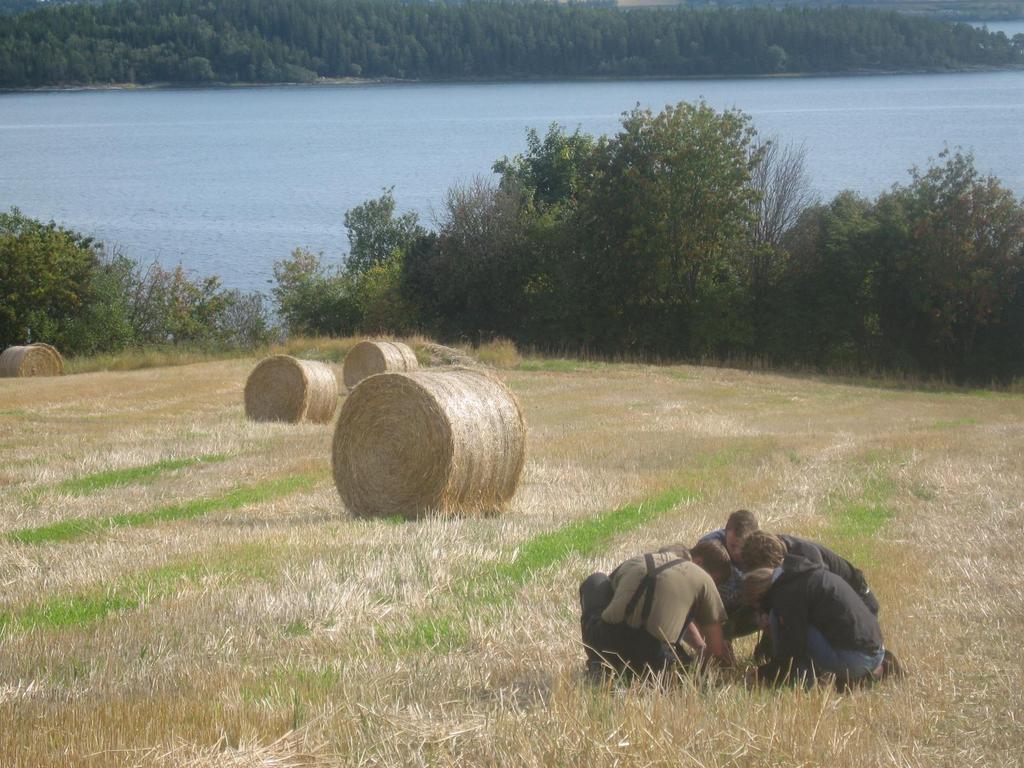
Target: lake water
point(226, 181)
point(1008, 28)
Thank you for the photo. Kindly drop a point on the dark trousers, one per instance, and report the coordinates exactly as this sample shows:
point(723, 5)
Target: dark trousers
point(619, 646)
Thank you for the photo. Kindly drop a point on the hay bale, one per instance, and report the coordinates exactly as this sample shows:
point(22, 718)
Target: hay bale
point(440, 355)
point(284, 388)
point(370, 357)
point(411, 443)
point(31, 360)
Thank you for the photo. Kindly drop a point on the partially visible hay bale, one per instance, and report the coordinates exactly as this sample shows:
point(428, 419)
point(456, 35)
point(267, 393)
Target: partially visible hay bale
point(284, 388)
point(442, 355)
point(31, 360)
point(369, 357)
point(410, 443)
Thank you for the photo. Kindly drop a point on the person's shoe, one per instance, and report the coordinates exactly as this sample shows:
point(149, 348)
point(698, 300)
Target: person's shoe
point(891, 666)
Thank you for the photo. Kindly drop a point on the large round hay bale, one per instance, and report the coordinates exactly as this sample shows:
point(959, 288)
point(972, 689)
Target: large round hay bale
point(429, 441)
point(370, 357)
point(31, 360)
point(284, 388)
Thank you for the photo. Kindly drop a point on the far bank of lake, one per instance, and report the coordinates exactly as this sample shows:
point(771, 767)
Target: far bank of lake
point(226, 181)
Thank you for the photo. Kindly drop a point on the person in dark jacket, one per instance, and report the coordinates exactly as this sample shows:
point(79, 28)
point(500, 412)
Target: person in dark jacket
point(818, 623)
point(634, 620)
point(767, 550)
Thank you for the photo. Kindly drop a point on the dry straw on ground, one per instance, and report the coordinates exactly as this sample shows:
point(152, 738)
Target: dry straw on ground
point(284, 388)
point(411, 443)
point(395, 645)
point(369, 357)
point(31, 360)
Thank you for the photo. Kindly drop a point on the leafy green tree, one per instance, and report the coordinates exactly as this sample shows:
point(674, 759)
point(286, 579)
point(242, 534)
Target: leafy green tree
point(822, 309)
point(668, 207)
point(552, 170)
point(106, 320)
point(312, 299)
point(273, 41)
point(383, 309)
point(172, 308)
point(45, 279)
point(470, 279)
point(951, 258)
point(375, 233)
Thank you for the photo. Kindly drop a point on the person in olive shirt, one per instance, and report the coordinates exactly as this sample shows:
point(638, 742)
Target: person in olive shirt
point(634, 620)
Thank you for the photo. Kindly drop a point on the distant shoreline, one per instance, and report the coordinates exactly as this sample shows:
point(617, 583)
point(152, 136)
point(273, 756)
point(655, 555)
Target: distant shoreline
point(360, 81)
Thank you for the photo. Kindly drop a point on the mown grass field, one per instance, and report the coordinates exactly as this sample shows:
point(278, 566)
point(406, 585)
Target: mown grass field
point(183, 587)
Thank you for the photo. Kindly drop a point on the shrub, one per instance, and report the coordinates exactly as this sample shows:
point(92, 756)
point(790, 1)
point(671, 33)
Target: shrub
point(46, 275)
point(58, 286)
point(312, 299)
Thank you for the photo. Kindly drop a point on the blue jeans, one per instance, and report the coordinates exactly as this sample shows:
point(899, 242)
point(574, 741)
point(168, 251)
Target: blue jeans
point(851, 665)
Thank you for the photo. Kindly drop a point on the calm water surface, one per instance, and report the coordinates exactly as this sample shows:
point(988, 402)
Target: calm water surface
point(227, 181)
point(1008, 28)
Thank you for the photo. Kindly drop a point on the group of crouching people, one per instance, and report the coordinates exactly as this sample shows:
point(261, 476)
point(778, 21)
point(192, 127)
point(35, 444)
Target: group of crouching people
point(684, 606)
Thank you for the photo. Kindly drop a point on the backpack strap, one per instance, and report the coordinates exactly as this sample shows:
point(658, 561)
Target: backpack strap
point(646, 587)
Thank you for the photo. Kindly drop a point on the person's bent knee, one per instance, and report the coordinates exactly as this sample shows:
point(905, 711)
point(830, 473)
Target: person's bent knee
point(596, 592)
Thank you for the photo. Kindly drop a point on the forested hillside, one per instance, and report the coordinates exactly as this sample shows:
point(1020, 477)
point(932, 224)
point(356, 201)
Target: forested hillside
point(198, 41)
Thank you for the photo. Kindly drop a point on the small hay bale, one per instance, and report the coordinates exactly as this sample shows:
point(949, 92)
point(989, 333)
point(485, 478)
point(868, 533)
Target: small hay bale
point(440, 355)
point(31, 360)
point(411, 443)
point(370, 357)
point(284, 388)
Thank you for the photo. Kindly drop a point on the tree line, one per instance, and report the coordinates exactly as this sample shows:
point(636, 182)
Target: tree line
point(686, 236)
point(683, 236)
point(65, 288)
point(229, 41)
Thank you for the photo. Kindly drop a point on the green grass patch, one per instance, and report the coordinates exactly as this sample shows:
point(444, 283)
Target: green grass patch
point(82, 486)
point(436, 633)
point(864, 516)
point(494, 585)
point(586, 537)
point(924, 493)
point(953, 423)
point(681, 375)
point(291, 684)
point(857, 521)
point(559, 365)
point(861, 520)
point(70, 530)
point(297, 628)
point(90, 606)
